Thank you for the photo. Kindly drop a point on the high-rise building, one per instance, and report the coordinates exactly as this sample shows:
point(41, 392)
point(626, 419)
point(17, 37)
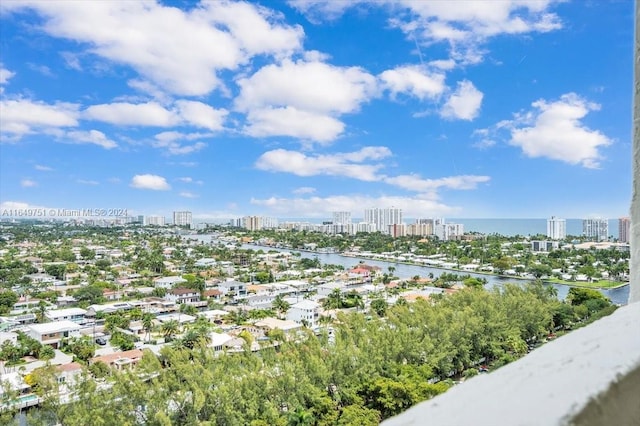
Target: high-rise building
point(182, 218)
point(556, 228)
point(597, 229)
point(624, 229)
point(154, 220)
point(448, 231)
point(342, 218)
point(382, 218)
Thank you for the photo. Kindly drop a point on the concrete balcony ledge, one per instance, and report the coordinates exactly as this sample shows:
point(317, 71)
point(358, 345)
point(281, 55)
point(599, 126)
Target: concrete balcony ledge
point(588, 377)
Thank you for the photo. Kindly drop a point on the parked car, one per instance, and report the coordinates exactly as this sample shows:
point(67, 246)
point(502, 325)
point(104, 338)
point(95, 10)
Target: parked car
point(101, 341)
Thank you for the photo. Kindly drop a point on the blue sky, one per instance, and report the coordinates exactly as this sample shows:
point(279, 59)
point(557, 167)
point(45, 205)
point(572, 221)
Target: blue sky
point(297, 109)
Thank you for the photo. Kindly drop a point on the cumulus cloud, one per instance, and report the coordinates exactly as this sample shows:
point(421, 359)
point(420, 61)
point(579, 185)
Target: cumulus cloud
point(464, 103)
point(184, 112)
point(414, 81)
point(554, 129)
point(94, 137)
point(135, 33)
point(170, 142)
point(23, 116)
point(354, 165)
point(28, 183)
point(21, 205)
point(127, 114)
point(339, 164)
point(5, 74)
point(295, 123)
point(463, 25)
point(201, 115)
point(323, 206)
point(415, 183)
point(288, 98)
point(148, 181)
point(310, 86)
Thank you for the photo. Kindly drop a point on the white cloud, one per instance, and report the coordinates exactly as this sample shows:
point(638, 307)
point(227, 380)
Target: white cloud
point(340, 164)
point(418, 206)
point(303, 99)
point(188, 179)
point(350, 164)
point(416, 183)
point(304, 190)
point(290, 121)
point(88, 182)
point(23, 116)
point(187, 194)
point(5, 74)
point(159, 41)
point(253, 28)
point(72, 60)
point(464, 103)
point(201, 115)
point(90, 137)
point(127, 114)
point(17, 205)
point(148, 181)
point(42, 168)
point(309, 86)
point(464, 24)
point(169, 141)
point(28, 183)
point(554, 130)
point(415, 81)
point(184, 112)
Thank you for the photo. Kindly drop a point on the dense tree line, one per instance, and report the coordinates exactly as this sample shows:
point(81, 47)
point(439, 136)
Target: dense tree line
point(360, 370)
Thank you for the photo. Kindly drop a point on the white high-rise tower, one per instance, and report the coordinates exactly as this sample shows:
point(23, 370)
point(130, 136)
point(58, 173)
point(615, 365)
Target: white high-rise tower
point(556, 228)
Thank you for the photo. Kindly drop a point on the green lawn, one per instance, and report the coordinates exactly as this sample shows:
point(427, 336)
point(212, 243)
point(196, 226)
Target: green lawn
point(593, 284)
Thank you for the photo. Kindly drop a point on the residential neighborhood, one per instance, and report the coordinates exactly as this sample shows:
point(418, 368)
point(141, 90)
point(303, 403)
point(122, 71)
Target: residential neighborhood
point(93, 299)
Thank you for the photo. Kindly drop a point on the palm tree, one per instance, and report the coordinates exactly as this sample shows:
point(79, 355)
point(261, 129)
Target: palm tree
point(147, 323)
point(170, 328)
point(334, 300)
point(280, 305)
point(40, 313)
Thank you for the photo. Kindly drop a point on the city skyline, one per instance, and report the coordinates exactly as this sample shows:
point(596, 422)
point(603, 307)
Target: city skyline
point(299, 109)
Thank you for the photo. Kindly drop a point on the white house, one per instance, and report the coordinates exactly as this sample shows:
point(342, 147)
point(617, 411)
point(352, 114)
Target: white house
point(327, 289)
point(307, 311)
point(184, 295)
point(218, 341)
point(168, 282)
point(232, 286)
point(9, 336)
point(51, 333)
point(76, 315)
point(205, 262)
